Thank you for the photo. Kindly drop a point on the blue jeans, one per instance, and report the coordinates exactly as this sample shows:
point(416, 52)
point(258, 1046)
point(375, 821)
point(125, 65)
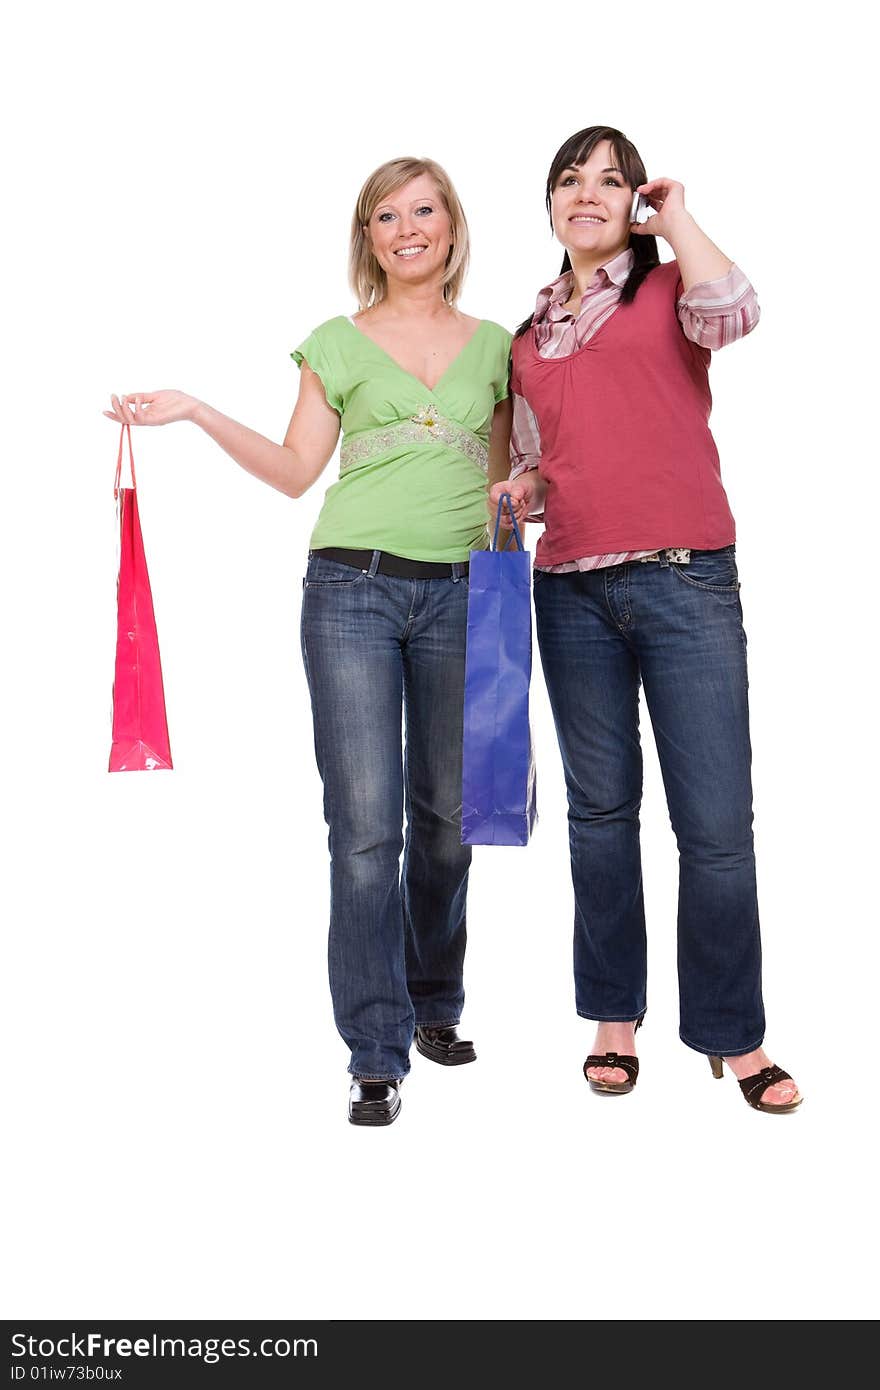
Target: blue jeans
point(376, 648)
point(678, 630)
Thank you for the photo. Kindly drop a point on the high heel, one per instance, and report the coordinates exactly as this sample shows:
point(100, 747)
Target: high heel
point(627, 1064)
point(753, 1087)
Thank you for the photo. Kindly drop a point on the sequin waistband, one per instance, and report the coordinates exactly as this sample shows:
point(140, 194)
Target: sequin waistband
point(422, 428)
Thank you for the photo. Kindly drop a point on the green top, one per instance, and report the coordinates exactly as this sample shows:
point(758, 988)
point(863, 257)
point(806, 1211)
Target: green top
point(413, 462)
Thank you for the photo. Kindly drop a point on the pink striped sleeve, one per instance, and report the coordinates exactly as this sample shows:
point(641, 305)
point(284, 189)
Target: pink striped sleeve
point(714, 313)
point(525, 437)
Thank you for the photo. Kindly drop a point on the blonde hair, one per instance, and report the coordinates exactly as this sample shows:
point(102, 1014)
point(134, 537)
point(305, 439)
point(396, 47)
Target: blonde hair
point(366, 276)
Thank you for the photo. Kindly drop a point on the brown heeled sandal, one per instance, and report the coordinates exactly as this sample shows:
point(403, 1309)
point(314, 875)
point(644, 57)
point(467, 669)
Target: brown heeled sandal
point(614, 1059)
point(753, 1087)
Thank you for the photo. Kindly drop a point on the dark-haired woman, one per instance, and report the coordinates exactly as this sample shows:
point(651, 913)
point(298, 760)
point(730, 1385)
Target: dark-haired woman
point(636, 583)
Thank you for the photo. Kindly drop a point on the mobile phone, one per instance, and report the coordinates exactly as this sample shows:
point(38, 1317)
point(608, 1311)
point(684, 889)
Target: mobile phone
point(641, 208)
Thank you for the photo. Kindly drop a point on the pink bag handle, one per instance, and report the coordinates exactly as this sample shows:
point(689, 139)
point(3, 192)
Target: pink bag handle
point(124, 433)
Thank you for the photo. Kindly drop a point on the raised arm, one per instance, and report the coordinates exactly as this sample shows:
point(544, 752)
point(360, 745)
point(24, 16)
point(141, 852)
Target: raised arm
point(718, 305)
point(698, 258)
point(290, 467)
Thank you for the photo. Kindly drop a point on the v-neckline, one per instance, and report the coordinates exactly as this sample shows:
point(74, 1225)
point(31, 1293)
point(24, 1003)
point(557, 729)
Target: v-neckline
point(387, 355)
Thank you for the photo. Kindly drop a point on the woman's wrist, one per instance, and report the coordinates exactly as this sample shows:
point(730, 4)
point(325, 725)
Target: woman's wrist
point(538, 487)
point(199, 412)
point(681, 226)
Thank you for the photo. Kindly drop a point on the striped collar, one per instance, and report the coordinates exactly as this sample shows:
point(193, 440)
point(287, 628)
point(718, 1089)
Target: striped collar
point(553, 297)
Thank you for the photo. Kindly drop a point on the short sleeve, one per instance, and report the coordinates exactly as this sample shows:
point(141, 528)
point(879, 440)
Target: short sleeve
point(501, 383)
point(312, 351)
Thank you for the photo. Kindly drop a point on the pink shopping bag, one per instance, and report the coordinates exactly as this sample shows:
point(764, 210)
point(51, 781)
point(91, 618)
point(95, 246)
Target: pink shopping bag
point(140, 728)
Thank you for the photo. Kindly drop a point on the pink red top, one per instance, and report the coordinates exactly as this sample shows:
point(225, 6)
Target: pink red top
point(613, 405)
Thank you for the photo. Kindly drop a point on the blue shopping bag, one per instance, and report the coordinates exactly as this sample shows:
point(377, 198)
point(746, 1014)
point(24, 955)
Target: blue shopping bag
point(498, 767)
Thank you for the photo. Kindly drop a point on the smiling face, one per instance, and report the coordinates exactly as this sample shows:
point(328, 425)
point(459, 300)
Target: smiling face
point(410, 232)
point(590, 206)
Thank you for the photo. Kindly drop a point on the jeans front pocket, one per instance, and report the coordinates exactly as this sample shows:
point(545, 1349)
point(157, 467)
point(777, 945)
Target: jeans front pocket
point(712, 570)
point(321, 572)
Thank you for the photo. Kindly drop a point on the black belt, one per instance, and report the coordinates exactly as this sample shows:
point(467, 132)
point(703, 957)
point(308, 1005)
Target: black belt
point(394, 565)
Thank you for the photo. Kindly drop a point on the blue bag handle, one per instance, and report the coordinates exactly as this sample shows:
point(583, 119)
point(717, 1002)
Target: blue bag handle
point(506, 497)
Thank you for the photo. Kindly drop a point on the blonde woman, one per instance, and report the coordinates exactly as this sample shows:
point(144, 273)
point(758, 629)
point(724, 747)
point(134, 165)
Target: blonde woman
point(419, 391)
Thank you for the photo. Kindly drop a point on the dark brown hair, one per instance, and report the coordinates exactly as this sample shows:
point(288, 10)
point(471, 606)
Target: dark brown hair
point(576, 151)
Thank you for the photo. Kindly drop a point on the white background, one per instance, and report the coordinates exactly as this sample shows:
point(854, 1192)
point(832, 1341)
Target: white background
point(182, 180)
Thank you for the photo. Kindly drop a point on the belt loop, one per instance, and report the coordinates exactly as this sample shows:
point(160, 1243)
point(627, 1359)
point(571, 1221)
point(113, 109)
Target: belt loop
point(374, 564)
point(456, 571)
point(663, 557)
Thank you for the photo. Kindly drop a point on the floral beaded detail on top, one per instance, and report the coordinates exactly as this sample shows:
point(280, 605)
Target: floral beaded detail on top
point(413, 458)
point(424, 427)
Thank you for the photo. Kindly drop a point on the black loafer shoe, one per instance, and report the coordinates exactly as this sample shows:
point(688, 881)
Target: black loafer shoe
point(373, 1102)
point(443, 1045)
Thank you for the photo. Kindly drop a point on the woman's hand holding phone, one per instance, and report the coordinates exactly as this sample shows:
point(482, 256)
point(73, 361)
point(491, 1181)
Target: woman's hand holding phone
point(666, 197)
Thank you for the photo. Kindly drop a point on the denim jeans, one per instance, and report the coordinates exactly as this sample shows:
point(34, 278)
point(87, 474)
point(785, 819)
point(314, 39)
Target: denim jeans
point(678, 630)
point(376, 648)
